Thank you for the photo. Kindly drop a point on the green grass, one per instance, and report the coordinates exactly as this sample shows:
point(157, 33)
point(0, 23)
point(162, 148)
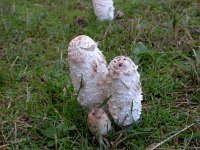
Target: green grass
point(38, 107)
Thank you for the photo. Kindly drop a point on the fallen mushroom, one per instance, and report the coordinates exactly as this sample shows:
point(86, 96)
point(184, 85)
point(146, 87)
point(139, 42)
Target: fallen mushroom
point(104, 9)
point(98, 122)
point(88, 70)
point(124, 89)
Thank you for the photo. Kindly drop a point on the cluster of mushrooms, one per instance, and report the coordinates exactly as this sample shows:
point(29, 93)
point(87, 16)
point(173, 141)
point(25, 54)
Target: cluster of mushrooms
point(118, 84)
point(95, 83)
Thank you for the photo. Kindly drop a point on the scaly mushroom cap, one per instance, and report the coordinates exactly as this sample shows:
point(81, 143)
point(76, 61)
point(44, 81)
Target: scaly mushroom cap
point(104, 9)
point(124, 87)
point(98, 121)
point(88, 71)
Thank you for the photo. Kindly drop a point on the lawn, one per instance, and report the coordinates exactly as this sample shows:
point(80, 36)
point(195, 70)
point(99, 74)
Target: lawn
point(38, 106)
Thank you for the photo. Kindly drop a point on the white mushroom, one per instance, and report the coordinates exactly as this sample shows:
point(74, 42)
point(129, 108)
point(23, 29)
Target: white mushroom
point(104, 9)
point(124, 89)
point(88, 71)
point(98, 121)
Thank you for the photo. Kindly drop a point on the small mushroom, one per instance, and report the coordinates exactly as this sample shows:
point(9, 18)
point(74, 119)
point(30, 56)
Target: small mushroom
point(124, 89)
point(88, 70)
point(104, 9)
point(98, 122)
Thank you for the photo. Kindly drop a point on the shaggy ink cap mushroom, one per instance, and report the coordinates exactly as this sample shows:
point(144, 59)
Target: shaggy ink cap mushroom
point(104, 9)
point(88, 70)
point(99, 122)
point(124, 89)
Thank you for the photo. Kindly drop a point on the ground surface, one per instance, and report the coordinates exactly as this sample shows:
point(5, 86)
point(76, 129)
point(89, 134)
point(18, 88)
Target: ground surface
point(38, 108)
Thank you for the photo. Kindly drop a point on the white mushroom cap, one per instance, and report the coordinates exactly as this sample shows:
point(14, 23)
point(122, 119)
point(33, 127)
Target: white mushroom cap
point(124, 87)
point(98, 121)
point(104, 9)
point(87, 67)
